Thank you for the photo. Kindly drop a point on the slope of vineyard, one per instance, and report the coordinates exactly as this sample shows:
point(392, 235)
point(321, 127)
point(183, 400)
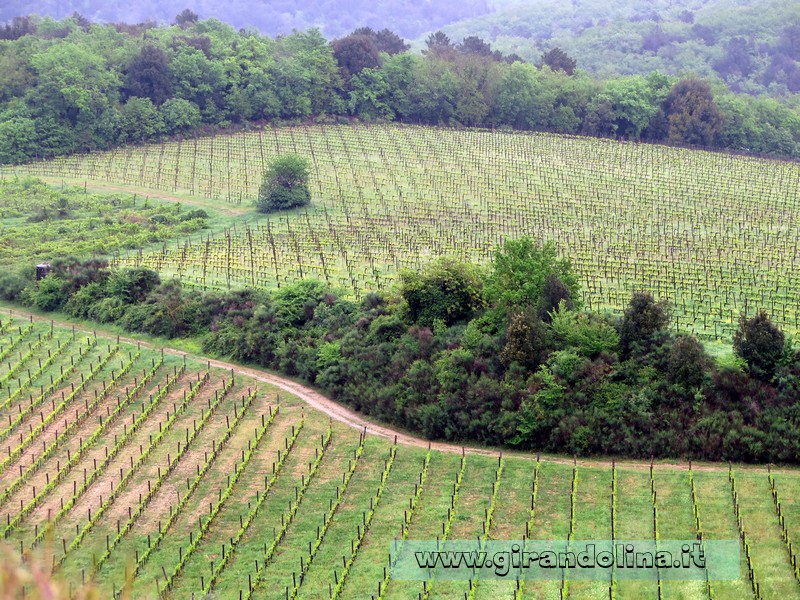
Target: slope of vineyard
point(714, 234)
point(123, 466)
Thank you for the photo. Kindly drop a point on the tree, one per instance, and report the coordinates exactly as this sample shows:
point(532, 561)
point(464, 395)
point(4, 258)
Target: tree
point(476, 46)
point(17, 140)
point(655, 39)
point(517, 96)
point(180, 115)
point(385, 39)
point(558, 60)
point(760, 343)
point(354, 53)
point(186, 18)
point(691, 113)
point(140, 120)
point(526, 340)
point(148, 75)
point(445, 290)
point(642, 318)
point(687, 362)
point(132, 285)
point(520, 272)
point(285, 184)
point(789, 42)
point(737, 60)
point(19, 26)
point(370, 95)
point(439, 44)
point(632, 103)
point(553, 294)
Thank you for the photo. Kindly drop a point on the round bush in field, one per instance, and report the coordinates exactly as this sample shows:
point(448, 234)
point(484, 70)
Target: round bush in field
point(285, 184)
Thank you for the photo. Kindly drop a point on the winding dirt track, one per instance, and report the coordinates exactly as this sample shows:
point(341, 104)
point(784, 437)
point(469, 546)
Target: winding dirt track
point(353, 419)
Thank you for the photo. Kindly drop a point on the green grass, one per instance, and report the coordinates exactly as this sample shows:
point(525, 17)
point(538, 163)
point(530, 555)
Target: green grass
point(40, 223)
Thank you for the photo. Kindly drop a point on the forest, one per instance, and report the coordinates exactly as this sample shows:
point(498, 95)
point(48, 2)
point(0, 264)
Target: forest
point(748, 46)
point(76, 86)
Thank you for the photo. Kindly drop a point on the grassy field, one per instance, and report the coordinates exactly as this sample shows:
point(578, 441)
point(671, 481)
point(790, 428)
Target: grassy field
point(39, 222)
point(712, 233)
point(123, 466)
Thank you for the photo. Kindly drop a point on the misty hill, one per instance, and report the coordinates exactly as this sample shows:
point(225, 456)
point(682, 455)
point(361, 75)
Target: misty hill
point(409, 18)
point(752, 45)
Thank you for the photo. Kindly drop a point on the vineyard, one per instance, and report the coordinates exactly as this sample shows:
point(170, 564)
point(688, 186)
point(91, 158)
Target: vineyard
point(125, 467)
point(714, 234)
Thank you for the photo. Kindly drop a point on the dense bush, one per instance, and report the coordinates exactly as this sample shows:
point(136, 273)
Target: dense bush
point(439, 357)
point(760, 343)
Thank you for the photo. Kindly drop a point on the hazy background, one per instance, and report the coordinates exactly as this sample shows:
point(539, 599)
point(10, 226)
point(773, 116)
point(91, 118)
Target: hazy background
point(751, 45)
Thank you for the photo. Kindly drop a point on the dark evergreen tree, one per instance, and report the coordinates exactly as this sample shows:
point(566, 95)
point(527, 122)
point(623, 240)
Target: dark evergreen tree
point(692, 115)
point(148, 76)
point(355, 53)
point(558, 60)
point(642, 318)
point(186, 18)
point(760, 344)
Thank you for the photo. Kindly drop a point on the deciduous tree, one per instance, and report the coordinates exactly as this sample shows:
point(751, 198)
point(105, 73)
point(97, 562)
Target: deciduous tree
point(285, 184)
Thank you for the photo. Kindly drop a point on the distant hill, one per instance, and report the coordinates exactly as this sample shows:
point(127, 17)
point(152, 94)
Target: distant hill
point(408, 18)
point(752, 45)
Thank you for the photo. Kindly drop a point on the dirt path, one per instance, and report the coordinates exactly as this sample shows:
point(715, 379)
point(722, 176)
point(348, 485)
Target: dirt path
point(353, 419)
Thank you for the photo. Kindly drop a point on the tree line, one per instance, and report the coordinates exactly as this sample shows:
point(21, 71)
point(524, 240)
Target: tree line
point(71, 85)
point(499, 355)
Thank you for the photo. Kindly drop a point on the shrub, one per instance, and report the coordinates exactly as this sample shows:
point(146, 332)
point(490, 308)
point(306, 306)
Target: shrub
point(760, 343)
point(50, 294)
point(642, 318)
point(687, 362)
point(445, 290)
point(587, 333)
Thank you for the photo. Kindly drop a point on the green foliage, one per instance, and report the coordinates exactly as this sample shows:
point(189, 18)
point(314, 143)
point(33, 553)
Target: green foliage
point(180, 115)
point(588, 334)
point(354, 53)
point(41, 222)
point(643, 317)
point(445, 289)
point(295, 303)
point(81, 303)
point(65, 87)
point(760, 344)
point(329, 355)
point(633, 104)
point(558, 60)
point(387, 327)
point(48, 294)
point(17, 140)
point(140, 120)
point(536, 414)
point(147, 75)
point(520, 272)
point(693, 117)
point(285, 184)
point(527, 340)
point(687, 362)
point(12, 285)
point(132, 285)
